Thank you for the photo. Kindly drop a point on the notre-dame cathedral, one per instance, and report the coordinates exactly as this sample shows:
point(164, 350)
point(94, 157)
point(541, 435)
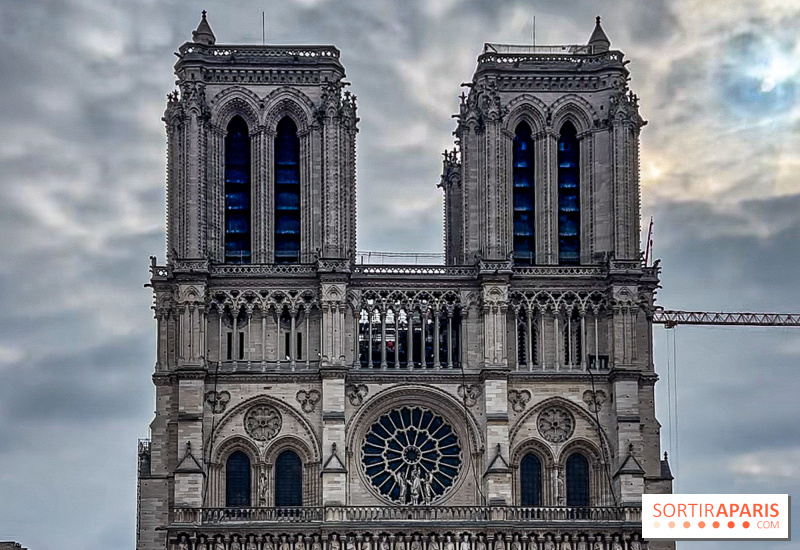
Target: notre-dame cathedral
point(304, 401)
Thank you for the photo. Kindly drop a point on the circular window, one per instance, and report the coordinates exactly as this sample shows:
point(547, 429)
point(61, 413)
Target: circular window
point(411, 456)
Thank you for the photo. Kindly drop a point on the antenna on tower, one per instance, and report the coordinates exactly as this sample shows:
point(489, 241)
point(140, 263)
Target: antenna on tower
point(263, 32)
point(533, 31)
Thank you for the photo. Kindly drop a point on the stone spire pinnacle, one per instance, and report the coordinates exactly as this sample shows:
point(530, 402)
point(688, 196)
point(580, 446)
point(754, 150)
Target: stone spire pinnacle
point(599, 40)
point(203, 34)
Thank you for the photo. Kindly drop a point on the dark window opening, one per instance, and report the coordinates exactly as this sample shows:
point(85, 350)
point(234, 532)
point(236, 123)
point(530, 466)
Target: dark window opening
point(241, 345)
point(230, 345)
point(524, 218)
point(288, 480)
point(595, 364)
point(287, 193)
point(531, 481)
point(569, 212)
point(299, 345)
point(287, 344)
point(237, 479)
point(577, 480)
point(237, 192)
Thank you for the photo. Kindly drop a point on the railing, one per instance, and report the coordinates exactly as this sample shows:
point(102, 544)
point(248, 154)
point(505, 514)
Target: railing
point(366, 514)
point(573, 49)
point(409, 269)
point(299, 52)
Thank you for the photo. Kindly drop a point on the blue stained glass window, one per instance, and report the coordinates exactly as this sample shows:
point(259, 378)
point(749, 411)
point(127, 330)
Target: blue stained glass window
point(237, 478)
point(577, 480)
point(288, 479)
point(523, 174)
point(531, 481)
point(287, 193)
point(237, 192)
point(569, 214)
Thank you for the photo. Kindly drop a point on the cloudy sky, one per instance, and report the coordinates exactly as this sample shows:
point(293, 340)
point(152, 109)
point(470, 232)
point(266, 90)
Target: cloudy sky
point(82, 148)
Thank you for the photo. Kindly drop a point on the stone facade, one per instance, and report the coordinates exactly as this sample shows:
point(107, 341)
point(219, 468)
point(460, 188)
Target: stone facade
point(455, 372)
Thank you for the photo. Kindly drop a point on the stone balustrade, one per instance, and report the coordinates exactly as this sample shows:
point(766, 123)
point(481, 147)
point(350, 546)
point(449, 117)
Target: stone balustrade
point(481, 515)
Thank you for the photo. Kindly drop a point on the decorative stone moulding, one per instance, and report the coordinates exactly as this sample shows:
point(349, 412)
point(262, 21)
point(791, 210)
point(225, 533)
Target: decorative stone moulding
point(411, 456)
point(556, 424)
point(262, 422)
point(308, 399)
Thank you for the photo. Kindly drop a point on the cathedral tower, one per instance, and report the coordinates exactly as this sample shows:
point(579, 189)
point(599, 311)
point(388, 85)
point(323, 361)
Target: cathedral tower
point(306, 402)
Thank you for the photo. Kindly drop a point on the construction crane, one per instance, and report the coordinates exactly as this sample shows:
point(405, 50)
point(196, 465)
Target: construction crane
point(673, 318)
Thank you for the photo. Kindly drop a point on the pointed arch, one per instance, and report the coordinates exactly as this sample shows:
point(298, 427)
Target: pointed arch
point(523, 174)
point(287, 192)
point(235, 101)
point(288, 479)
point(569, 210)
point(238, 192)
point(577, 482)
point(530, 480)
point(237, 479)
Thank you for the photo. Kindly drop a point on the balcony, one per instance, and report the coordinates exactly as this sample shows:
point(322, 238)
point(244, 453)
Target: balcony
point(403, 516)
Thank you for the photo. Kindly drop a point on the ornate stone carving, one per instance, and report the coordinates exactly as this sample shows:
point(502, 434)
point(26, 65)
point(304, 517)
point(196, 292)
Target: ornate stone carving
point(308, 399)
point(594, 400)
point(218, 401)
point(556, 424)
point(469, 394)
point(411, 455)
point(262, 422)
point(519, 399)
point(356, 394)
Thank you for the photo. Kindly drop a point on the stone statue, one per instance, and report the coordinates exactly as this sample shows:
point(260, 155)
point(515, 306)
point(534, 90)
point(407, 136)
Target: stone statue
point(350, 544)
point(499, 543)
point(262, 485)
point(427, 489)
point(365, 545)
point(268, 543)
point(449, 544)
point(515, 543)
point(384, 544)
point(334, 543)
point(400, 544)
point(566, 544)
point(480, 545)
point(598, 545)
point(284, 543)
point(400, 479)
point(415, 482)
point(235, 544)
point(184, 543)
point(634, 543)
point(316, 545)
point(549, 544)
point(201, 544)
point(561, 493)
point(464, 544)
point(616, 544)
point(433, 544)
point(251, 543)
point(415, 543)
point(582, 545)
point(300, 544)
point(219, 544)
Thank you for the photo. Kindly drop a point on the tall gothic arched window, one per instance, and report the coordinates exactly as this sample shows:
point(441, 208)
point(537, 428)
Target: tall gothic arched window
point(530, 482)
point(524, 218)
point(577, 480)
point(569, 210)
point(288, 479)
point(237, 192)
point(237, 480)
point(287, 193)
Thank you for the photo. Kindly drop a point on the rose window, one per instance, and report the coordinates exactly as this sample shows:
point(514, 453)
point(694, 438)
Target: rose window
point(411, 456)
point(262, 422)
point(556, 424)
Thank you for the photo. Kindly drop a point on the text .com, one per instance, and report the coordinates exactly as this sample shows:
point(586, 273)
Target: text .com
point(693, 517)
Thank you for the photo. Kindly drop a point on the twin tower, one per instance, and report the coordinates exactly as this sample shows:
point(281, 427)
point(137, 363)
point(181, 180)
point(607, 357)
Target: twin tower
point(501, 401)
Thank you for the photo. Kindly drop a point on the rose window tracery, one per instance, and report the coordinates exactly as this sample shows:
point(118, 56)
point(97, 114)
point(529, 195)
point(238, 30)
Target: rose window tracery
point(262, 422)
point(411, 455)
point(556, 424)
